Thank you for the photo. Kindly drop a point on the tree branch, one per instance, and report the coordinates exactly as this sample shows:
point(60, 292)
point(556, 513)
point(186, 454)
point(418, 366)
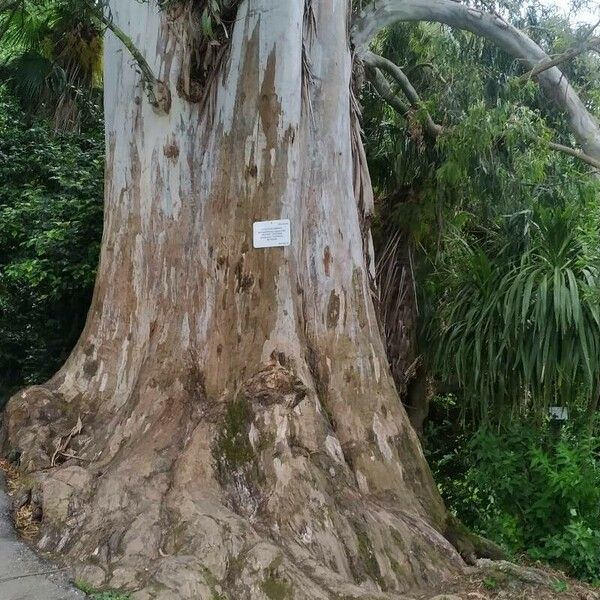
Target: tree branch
point(383, 88)
point(593, 44)
point(576, 153)
point(379, 62)
point(374, 62)
point(382, 13)
point(158, 92)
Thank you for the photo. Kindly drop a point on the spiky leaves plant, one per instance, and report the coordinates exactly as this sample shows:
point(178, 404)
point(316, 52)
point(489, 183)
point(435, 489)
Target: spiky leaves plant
point(517, 322)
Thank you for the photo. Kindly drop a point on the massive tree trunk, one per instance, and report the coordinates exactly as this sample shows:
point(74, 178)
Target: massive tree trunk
point(241, 436)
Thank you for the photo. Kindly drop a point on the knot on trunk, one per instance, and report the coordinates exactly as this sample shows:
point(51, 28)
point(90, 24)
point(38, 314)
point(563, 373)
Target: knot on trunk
point(275, 384)
point(32, 421)
point(159, 96)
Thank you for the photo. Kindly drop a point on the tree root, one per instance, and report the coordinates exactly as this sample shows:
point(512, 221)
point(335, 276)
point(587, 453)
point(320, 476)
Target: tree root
point(252, 500)
point(528, 575)
point(470, 545)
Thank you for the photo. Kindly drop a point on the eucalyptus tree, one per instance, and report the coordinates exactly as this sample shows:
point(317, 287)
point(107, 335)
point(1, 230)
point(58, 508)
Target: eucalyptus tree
point(227, 425)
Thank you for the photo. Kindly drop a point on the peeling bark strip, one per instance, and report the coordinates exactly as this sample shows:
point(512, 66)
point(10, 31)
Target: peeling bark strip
point(382, 13)
point(241, 436)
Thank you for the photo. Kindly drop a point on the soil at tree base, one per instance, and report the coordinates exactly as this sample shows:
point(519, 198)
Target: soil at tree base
point(23, 574)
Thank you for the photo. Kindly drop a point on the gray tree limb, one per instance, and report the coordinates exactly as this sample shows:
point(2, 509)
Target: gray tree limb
point(383, 88)
point(593, 44)
point(379, 62)
point(382, 13)
point(373, 62)
point(579, 154)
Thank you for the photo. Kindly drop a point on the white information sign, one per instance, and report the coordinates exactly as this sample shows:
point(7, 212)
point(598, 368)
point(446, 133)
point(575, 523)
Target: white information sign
point(272, 234)
point(559, 413)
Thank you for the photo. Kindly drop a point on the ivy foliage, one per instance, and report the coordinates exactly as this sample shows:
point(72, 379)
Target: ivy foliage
point(50, 229)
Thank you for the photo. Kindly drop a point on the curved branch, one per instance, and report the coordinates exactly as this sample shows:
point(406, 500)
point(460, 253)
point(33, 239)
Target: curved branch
point(383, 88)
point(492, 27)
point(379, 62)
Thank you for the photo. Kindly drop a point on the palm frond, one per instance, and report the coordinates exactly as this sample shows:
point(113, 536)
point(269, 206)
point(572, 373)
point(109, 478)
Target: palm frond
point(52, 52)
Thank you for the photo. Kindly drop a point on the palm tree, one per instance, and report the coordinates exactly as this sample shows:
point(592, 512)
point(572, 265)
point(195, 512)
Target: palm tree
point(51, 56)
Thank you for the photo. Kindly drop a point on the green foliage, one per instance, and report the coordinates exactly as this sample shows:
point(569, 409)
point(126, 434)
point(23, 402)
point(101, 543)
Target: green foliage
point(559, 587)
point(490, 583)
point(51, 57)
point(84, 586)
point(534, 489)
point(503, 231)
point(516, 320)
point(504, 238)
point(50, 230)
point(503, 235)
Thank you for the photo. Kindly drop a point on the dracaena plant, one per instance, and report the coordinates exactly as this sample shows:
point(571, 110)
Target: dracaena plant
point(517, 320)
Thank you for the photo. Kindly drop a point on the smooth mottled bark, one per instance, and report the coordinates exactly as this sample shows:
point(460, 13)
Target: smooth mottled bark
point(241, 434)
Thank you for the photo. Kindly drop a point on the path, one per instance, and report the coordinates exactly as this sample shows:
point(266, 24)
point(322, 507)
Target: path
point(23, 574)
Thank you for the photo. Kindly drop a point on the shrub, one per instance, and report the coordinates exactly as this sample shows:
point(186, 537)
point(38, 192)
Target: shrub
point(50, 230)
point(533, 488)
point(516, 321)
